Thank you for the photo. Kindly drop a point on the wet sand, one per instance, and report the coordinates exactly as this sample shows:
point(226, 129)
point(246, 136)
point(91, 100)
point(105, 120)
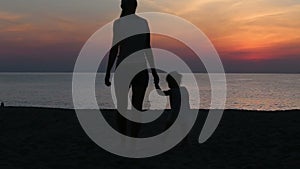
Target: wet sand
point(53, 138)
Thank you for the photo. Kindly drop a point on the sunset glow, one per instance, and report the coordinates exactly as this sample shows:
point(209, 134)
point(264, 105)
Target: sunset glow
point(53, 31)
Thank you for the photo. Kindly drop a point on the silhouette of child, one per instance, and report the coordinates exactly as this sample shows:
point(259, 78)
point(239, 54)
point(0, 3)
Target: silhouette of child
point(178, 96)
point(179, 99)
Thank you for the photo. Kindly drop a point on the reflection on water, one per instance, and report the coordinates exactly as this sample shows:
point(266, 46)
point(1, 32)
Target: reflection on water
point(245, 91)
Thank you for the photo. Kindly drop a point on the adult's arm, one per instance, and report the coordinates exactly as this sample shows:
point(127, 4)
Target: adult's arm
point(149, 55)
point(112, 55)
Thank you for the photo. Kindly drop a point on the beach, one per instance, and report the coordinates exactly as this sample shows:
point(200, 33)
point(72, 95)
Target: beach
point(53, 138)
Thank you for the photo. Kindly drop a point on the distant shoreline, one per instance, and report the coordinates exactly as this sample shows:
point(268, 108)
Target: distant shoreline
point(69, 109)
point(258, 73)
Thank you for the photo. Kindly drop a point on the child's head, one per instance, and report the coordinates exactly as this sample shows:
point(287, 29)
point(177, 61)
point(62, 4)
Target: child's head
point(174, 79)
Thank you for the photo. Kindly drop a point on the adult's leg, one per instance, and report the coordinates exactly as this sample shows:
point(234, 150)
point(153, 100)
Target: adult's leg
point(122, 102)
point(139, 86)
point(122, 124)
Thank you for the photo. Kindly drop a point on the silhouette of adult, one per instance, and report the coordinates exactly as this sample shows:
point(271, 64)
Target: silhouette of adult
point(121, 50)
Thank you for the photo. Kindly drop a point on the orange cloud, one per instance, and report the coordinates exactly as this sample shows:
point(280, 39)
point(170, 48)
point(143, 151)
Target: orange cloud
point(10, 17)
point(246, 28)
point(256, 29)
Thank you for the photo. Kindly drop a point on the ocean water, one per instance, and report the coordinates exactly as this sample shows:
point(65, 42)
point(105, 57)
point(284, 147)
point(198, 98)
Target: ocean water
point(244, 91)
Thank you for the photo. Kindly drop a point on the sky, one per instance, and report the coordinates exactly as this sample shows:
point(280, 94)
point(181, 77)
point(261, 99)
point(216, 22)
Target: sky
point(251, 36)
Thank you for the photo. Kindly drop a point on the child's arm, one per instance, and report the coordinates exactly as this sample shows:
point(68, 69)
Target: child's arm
point(163, 93)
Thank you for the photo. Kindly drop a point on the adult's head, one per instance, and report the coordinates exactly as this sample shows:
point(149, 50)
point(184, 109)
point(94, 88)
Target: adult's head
point(128, 7)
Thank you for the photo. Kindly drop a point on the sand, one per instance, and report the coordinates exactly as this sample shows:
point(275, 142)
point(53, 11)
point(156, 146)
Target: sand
point(53, 138)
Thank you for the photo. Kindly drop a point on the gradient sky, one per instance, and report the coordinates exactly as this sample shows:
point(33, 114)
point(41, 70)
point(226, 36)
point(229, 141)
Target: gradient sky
point(250, 35)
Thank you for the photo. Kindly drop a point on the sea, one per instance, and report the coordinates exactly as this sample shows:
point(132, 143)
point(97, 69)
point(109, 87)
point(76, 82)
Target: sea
point(265, 92)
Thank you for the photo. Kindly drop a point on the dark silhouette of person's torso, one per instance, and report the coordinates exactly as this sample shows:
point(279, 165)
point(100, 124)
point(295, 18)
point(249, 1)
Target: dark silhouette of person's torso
point(135, 43)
